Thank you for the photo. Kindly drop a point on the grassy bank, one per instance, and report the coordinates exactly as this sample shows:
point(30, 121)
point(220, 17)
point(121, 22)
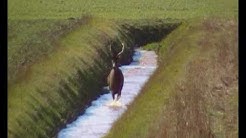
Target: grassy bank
point(194, 91)
point(30, 41)
point(58, 87)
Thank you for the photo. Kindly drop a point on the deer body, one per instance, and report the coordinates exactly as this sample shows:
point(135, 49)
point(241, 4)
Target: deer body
point(115, 78)
point(115, 81)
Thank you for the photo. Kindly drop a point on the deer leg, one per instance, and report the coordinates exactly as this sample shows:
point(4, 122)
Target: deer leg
point(118, 96)
point(113, 95)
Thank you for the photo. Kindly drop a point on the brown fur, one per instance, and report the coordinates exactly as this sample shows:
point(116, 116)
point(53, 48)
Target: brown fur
point(115, 81)
point(115, 78)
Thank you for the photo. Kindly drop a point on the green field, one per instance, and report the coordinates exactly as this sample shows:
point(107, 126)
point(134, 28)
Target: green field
point(127, 9)
point(57, 49)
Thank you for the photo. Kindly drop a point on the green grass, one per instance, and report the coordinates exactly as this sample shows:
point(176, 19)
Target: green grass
point(29, 41)
point(186, 96)
point(180, 99)
point(35, 26)
point(57, 48)
point(151, 101)
point(47, 92)
point(128, 9)
point(62, 80)
point(152, 47)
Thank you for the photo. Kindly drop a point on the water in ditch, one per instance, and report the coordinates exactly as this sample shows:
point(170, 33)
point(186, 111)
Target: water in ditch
point(99, 117)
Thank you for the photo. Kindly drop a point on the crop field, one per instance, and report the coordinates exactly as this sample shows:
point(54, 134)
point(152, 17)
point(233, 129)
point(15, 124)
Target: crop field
point(55, 51)
point(127, 9)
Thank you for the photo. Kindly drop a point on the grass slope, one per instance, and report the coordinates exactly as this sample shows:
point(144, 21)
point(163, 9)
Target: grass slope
point(194, 91)
point(58, 87)
point(40, 102)
point(30, 41)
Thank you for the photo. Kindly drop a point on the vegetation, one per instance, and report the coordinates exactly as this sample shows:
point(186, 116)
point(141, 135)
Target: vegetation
point(118, 9)
point(58, 49)
point(194, 91)
point(61, 83)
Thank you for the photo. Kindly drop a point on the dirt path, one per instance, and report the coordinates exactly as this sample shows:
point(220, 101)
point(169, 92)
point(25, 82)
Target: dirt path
point(99, 117)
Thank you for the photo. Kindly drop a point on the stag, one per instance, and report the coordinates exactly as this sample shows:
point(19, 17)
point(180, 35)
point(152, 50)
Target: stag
point(115, 78)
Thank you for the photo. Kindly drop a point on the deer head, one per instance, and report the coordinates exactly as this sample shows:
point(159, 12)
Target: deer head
point(115, 56)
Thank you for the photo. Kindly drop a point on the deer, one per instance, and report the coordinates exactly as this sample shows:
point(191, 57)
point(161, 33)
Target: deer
point(115, 78)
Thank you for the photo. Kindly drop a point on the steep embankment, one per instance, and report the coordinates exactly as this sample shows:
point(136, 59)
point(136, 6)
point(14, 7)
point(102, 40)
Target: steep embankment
point(60, 85)
point(194, 91)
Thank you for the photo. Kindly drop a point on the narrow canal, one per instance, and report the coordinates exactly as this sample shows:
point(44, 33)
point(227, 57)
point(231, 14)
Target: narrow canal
point(99, 117)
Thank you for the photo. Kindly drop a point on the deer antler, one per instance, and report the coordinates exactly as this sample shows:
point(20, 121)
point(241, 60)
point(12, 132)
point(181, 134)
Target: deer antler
point(123, 47)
